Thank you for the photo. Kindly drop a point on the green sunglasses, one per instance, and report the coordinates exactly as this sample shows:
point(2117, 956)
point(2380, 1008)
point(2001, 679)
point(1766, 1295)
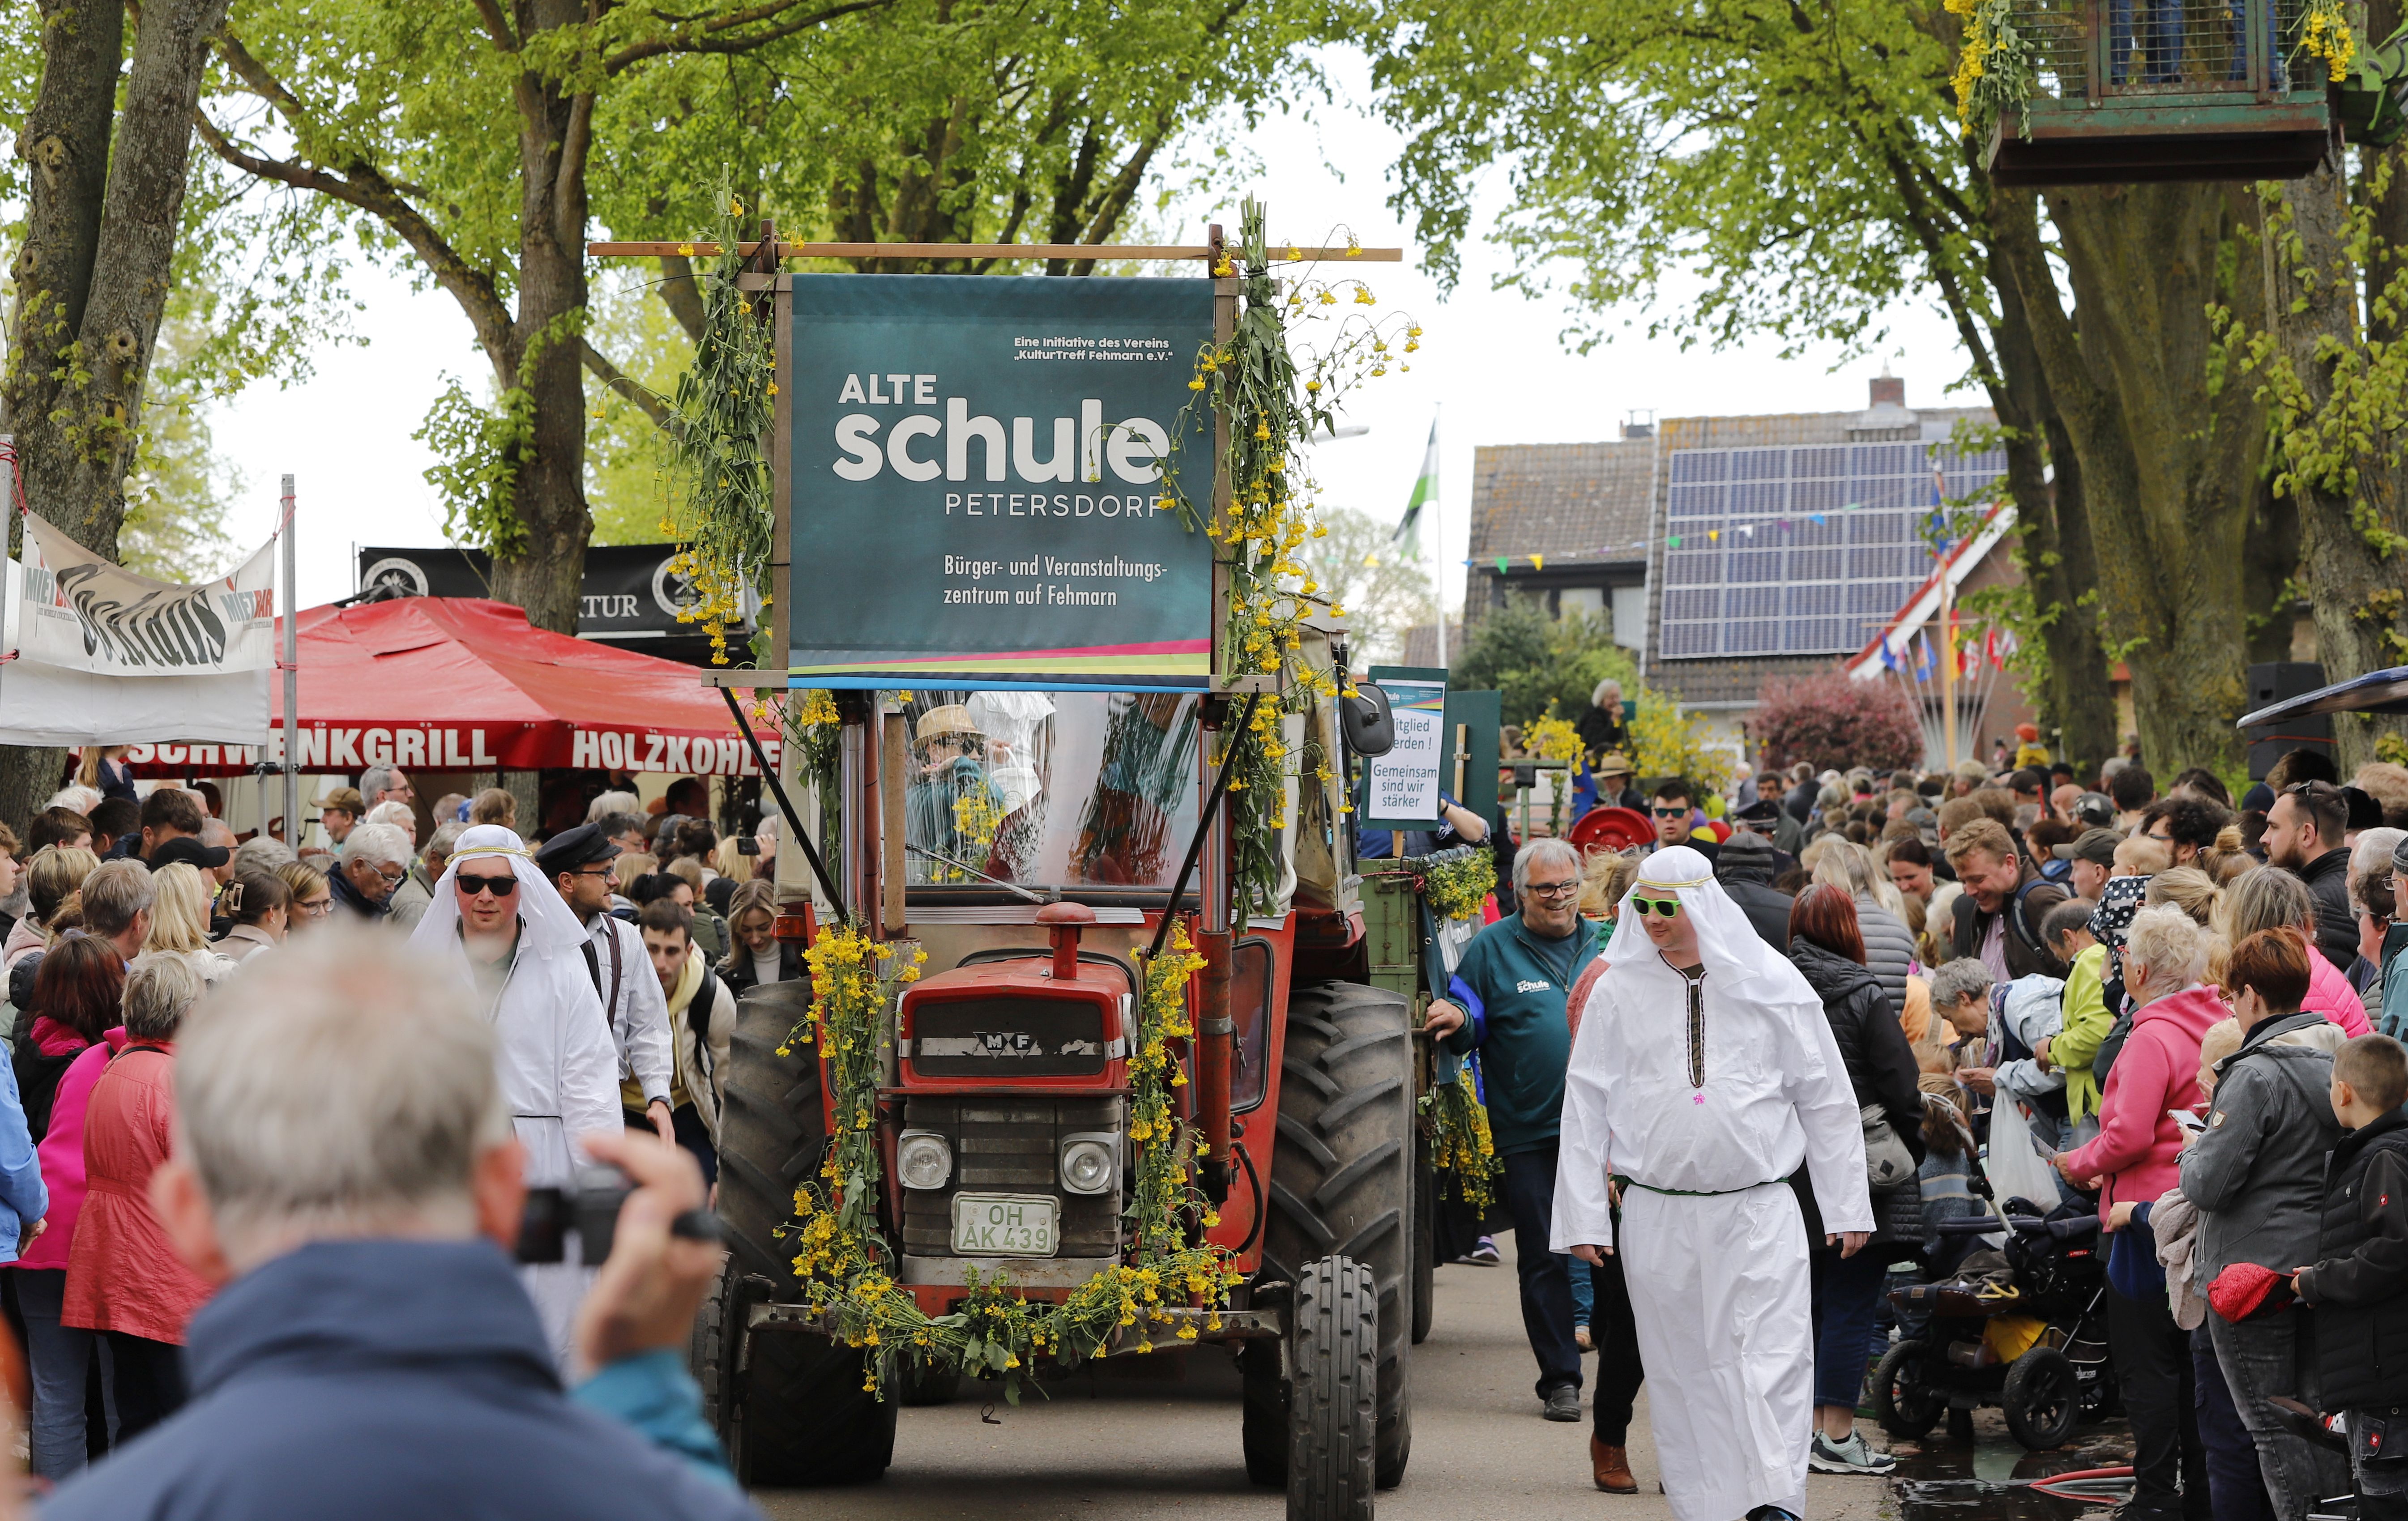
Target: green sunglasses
point(1662, 908)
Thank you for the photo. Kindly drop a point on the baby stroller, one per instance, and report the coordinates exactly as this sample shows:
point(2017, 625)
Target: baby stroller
point(2024, 1329)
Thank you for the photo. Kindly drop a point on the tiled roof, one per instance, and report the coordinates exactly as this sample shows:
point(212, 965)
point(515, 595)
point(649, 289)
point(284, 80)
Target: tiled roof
point(1590, 500)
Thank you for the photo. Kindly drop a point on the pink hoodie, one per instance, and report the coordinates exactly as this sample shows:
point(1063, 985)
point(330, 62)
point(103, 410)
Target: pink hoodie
point(2139, 1147)
point(62, 1155)
point(2330, 995)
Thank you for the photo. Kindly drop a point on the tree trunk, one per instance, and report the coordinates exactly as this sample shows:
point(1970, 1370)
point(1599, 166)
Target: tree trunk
point(2055, 527)
point(2167, 455)
point(546, 572)
point(105, 202)
point(2350, 537)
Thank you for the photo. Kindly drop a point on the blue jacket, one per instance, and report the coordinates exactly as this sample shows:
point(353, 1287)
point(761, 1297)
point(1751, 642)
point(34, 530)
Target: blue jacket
point(384, 1381)
point(22, 1197)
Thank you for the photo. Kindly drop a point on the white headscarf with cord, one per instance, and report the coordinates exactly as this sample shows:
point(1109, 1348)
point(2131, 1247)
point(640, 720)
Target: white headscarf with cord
point(548, 924)
point(559, 1066)
point(1727, 942)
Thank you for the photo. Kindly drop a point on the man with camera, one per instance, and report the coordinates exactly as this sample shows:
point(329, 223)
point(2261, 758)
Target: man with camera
point(348, 1170)
point(516, 953)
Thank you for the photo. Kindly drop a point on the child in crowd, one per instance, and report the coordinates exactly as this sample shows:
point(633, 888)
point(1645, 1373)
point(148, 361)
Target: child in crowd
point(2141, 856)
point(2359, 1284)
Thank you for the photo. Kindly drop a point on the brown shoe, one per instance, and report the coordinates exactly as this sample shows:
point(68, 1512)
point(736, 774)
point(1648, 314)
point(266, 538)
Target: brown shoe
point(1611, 1467)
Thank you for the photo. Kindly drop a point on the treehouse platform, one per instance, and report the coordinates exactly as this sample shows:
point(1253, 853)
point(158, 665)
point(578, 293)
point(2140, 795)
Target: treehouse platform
point(2130, 92)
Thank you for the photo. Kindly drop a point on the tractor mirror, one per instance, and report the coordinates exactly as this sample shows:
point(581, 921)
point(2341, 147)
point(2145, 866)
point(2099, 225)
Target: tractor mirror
point(1370, 726)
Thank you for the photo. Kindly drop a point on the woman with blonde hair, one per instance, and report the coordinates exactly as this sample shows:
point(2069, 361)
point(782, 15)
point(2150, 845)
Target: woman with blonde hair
point(180, 922)
point(312, 900)
point(2187, 888)
point(755, 953)
point(51, 878)
point(2270, 897)
point(103, 768)
point(1890, 944)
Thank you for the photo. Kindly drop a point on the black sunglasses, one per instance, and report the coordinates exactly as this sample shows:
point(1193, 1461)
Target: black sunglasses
point(1670, 813)
point(501, 886)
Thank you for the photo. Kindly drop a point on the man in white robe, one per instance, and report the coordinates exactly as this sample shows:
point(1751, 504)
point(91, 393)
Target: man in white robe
point(1703, 1076)
point(520, 954)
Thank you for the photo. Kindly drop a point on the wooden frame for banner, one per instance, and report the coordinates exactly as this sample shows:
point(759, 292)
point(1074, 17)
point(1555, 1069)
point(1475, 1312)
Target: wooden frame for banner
point(1155, 252)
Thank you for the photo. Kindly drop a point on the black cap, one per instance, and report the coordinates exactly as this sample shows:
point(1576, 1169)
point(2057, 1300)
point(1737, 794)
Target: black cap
point(2094, 811)
point(572, 847)
point(2095, 846)
point(188, 850)
point(1763, 811)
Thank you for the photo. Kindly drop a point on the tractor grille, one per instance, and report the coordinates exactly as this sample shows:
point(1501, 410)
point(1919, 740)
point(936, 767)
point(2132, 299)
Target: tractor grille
point(1003, 1038)
point(1011, 1146)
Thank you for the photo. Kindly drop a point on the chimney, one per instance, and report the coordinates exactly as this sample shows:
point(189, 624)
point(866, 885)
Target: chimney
point(1888, 390)
point(1639, 424)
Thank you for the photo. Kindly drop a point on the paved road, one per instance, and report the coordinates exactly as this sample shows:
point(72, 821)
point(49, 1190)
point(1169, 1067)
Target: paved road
point(1137, 1441)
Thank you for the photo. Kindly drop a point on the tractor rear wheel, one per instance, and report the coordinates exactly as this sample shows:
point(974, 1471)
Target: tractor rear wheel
point(1333, 1397)
point(1341, 1175)
point(789, 1405)
point(1424, 1240)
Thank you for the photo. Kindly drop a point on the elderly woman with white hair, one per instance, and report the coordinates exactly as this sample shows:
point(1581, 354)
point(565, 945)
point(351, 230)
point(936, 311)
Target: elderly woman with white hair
point(501, 930)
point(2135, 1157)
point(1602, 733)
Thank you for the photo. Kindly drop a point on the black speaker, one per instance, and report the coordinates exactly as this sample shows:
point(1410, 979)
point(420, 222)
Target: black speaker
point(2279, 681)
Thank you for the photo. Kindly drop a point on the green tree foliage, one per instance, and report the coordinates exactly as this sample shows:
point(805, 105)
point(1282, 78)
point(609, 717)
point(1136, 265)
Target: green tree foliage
point(627, 457)
point(1801, 165)
point(1535, 660)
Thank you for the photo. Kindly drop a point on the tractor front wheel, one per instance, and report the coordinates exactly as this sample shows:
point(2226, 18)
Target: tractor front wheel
point(1333, 1396)
point(790, 1406)
point(1341, 1174)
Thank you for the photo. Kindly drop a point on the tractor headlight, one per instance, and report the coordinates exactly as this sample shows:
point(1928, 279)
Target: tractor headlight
point(1091, 1163)
point(922, 1160)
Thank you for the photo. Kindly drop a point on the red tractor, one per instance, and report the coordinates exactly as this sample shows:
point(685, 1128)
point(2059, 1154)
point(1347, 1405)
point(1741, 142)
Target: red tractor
point(1002, 1108)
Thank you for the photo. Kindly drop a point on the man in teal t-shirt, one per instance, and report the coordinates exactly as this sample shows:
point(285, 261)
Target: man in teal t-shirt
point(1508, 1004)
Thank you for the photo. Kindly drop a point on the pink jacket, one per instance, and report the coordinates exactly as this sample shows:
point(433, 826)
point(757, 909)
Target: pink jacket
point(2330, 995)
point(62, 1155)
point(123, 1274)
point(2139, 1147)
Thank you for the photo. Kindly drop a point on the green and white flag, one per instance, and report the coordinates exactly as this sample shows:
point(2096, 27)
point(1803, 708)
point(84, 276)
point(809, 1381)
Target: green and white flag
point(1424, 490)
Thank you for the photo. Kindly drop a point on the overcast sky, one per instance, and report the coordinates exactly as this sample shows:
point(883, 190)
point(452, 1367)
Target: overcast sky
point(1491, 365)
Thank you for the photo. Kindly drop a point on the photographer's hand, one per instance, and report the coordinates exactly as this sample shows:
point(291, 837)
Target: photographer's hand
point(647, 1294)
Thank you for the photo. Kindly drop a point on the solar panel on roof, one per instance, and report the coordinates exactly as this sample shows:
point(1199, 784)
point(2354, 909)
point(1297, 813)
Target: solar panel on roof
point(1756, 574)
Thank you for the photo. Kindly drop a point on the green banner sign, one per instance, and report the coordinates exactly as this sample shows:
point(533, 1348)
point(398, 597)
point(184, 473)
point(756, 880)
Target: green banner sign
point(979, 486)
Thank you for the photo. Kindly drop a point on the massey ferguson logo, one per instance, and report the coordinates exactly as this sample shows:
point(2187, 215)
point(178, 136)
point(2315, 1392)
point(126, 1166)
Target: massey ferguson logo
point(1006, 1044)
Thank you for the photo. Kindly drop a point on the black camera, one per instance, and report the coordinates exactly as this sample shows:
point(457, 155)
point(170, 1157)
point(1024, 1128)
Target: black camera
point(591, 1210)
point(747, 845)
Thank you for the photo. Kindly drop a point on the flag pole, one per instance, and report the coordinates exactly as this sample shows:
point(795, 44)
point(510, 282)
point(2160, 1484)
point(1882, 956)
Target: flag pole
point(1438, 542)
point(291, 679)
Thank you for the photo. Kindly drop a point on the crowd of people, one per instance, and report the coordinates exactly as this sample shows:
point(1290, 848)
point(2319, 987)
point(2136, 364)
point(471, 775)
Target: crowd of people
point(2099, 995)
point(605, 964)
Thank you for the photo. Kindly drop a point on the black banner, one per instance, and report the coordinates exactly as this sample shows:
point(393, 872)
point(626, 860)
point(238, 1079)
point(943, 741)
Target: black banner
point(631, 596)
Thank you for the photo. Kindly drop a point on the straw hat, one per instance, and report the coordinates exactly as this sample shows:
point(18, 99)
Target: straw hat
point(952, 718)
point(1614, 764)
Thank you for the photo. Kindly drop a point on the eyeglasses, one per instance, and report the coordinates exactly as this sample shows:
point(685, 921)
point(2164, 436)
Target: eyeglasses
point(1670, 813)
point(1660, 908)
point(317, 908)
point(1554, 889)
point(502, 886)
point(393, 874)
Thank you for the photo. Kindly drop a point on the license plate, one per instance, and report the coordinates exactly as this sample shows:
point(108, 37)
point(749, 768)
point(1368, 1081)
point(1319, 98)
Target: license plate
point(1005, 1225)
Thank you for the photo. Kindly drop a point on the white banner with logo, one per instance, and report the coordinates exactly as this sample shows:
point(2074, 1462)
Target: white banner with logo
point(80, 613)
point(41, 704)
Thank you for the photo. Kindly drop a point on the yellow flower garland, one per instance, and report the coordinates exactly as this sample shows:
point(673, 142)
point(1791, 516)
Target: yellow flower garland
point(844, 1262)
point(1461, 1145)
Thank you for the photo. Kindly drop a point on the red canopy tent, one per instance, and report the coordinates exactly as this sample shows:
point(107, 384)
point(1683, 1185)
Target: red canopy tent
point(463, 684)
